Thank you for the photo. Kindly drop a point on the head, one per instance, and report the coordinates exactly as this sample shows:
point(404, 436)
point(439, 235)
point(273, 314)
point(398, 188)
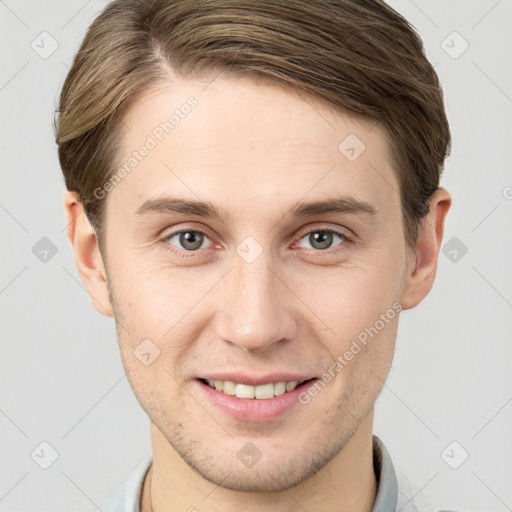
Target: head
point(310, 138)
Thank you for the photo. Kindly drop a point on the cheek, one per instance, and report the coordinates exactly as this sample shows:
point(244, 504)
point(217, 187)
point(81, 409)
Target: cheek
point(152, 295)
point(349, 299)
point(360, 308)
point(363, 351)
point(161, 304)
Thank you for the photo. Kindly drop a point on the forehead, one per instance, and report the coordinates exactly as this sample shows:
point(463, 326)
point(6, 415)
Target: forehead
point(247, 144)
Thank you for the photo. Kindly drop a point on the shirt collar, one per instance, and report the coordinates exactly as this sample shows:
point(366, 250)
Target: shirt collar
point(387, 484)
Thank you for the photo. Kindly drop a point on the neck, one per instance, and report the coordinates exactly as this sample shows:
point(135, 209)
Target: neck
point(347, 482)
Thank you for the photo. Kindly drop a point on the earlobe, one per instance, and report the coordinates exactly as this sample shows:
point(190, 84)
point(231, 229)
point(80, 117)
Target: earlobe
point(88, 259)
point(420, 276)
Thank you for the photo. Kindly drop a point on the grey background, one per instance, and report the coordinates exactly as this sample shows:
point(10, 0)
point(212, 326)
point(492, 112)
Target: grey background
point(61, 377)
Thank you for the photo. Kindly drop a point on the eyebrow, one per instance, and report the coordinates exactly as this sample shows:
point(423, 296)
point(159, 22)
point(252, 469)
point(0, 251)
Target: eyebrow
point(340, 205)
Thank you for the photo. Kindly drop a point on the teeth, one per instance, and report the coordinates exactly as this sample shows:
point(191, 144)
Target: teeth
point(262, 392)
point(229, 388)
point(279, 388)
point(244, 391)
point(291, 385)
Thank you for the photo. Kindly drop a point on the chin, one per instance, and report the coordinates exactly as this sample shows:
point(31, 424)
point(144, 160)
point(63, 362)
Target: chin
point(264, 479)
point(277, 467)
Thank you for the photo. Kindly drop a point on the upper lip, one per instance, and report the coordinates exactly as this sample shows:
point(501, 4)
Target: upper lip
point(257, 380)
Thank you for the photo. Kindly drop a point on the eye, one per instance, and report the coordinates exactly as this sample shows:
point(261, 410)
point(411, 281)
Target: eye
point(188, 239)
point(192, 240)
point(322, 239)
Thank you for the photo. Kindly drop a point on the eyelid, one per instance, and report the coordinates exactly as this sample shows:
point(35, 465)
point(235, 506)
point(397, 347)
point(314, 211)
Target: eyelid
point(345, 233)
point(168, 233)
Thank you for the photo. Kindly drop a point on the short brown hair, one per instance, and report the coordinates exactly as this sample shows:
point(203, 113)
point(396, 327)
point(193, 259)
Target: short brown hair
point(358, 56)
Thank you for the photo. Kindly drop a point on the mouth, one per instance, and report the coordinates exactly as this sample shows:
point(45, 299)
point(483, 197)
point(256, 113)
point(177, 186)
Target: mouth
point(248, 391)
point(264, 402)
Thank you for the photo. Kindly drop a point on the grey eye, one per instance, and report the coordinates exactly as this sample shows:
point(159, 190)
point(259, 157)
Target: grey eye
point(189, 240)
point(322, 239)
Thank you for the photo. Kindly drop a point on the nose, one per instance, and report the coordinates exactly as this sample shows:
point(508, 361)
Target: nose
point(255, 308)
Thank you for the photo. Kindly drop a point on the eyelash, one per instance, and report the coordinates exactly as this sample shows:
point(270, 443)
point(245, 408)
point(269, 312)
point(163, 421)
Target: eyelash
point(346, 239)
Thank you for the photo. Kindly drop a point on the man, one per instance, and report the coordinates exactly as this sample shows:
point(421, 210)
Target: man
point(260, 183)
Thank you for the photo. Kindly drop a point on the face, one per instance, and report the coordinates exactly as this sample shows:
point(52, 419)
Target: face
point(259, 288)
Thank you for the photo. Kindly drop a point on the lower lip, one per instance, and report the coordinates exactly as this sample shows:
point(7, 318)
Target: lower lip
point(253, 409)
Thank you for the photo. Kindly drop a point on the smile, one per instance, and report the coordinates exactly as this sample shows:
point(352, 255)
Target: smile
point(261, 392)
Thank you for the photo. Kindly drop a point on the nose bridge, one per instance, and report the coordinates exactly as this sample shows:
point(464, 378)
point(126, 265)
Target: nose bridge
point(254, 311)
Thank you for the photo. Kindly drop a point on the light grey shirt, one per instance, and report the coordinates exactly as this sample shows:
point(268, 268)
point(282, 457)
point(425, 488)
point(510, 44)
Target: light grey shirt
point(393, 493)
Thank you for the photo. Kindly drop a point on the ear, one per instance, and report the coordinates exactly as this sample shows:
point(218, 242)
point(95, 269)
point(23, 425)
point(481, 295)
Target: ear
point(422, 267)
point(88, 260)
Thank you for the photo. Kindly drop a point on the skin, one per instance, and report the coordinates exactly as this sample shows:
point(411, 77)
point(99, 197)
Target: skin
point(255, 149)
